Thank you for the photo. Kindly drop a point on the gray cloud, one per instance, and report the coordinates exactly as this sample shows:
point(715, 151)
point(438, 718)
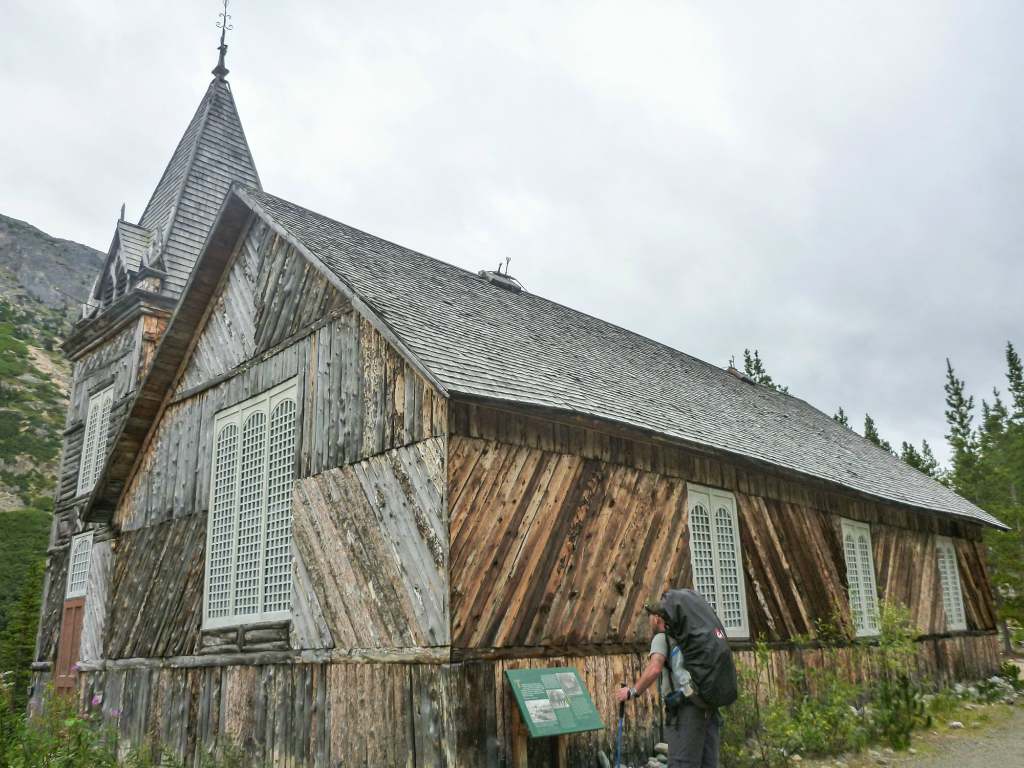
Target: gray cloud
point(836, 184)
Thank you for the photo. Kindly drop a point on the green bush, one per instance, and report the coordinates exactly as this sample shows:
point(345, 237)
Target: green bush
point(816, 711)
point(61, 736)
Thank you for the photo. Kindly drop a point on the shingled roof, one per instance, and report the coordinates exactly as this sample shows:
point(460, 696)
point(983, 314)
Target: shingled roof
point(133, 241)
point(483, 340)
point(211, 155)
point(476, 339)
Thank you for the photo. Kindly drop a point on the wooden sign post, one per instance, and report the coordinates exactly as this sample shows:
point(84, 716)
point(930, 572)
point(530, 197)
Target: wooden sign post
point(550, 702)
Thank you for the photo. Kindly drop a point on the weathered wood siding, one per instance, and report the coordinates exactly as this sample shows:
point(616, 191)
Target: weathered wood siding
point(96, 606)
point(156, 590)
point(111, 363)
point(554, 549)
point(270, 294)
point(357, 398)
point(373, 538)
point(457, 715)
point(559, 533)
point(53, 604)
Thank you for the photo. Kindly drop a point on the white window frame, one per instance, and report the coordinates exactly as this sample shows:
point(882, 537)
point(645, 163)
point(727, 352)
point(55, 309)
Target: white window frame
point(717, 566)
point(79, 557)
point(862, 583)
point(236, 417)
point(94, 439)
point(949, 583)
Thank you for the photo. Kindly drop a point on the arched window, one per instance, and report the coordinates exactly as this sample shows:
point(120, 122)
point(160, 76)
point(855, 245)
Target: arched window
point(860, 577)
point(949, 578)
point(248, 564)
point(716, 556)
point(94, 441)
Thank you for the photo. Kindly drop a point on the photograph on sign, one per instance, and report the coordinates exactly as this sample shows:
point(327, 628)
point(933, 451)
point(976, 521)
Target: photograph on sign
point(553, 701)
point(570, 684)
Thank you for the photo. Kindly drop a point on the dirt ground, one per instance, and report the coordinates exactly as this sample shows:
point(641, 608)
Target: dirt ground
point(992, 737)
point(999, 745)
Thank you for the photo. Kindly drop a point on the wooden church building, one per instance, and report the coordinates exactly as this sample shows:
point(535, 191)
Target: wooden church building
point(319, 491)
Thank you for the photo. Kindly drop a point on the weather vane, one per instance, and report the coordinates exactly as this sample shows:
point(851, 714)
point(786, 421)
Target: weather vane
point(224, 24)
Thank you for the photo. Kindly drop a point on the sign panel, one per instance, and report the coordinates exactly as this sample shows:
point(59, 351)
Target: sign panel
point(553, 701)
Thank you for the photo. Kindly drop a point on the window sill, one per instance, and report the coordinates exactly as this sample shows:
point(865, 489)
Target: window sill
point(270, 635)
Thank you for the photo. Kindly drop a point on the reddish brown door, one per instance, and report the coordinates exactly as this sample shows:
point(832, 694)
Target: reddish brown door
point(66, 674)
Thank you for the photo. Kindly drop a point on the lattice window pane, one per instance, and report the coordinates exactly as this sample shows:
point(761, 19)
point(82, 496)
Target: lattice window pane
point(867, 575)
point(94, 441)
point(701, 553)
point(949, 578)
point(853, 579)
point(731, 609)
point(860, 575)
point(249, 530)
point(102, 434)
point(221, 548)
point(716, 556)
point(277, 583)
point(252, 482)
point(78, 569)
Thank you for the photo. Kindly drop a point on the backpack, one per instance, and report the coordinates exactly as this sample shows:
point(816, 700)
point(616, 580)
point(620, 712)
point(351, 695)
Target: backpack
point(693, 625)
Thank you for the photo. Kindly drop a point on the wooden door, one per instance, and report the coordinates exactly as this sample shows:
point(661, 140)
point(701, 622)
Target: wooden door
point(65, 675)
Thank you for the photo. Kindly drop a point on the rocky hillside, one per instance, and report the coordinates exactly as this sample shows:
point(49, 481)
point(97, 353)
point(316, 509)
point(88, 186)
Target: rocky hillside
point(55, 273)
point(42, 282)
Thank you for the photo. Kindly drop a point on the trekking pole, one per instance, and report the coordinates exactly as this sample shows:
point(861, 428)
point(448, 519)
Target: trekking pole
point(618, 740)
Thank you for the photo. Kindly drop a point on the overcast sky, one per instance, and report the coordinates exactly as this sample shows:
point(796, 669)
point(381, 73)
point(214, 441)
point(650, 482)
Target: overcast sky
point(837, 185)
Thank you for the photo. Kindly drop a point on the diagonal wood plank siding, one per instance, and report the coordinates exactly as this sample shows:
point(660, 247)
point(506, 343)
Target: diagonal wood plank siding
point(373, 539)
point(156, 590)
point(53, 604)
point(269, 294)
point(555, 549)
point(555, 546)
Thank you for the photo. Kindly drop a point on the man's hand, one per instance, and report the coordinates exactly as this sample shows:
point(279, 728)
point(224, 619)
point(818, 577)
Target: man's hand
point(621, 694)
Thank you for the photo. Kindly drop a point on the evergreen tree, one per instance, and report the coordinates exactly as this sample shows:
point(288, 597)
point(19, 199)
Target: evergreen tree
point(994, 420)
point(754, 369)
point(961, 438)
point(922, 460)
point(841, 417)
point(871, 433)
point(1015, 380)
point(18, 639)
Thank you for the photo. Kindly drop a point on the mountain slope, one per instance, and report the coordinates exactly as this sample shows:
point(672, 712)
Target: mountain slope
point(55, 273)
point(42, 281)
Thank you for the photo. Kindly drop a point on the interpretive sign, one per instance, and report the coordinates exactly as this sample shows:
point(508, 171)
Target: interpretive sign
point(553, 701)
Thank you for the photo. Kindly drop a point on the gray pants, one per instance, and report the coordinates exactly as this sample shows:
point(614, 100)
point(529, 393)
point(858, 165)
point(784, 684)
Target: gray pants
point(693, 737)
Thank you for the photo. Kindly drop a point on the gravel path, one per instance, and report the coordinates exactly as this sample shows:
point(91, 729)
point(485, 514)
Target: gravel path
point(1000, 746)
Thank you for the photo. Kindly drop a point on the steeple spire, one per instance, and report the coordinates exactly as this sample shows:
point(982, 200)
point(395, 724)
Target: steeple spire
point(224, 24)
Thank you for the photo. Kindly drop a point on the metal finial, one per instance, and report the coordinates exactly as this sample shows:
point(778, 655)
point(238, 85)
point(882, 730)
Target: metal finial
point(223, 25)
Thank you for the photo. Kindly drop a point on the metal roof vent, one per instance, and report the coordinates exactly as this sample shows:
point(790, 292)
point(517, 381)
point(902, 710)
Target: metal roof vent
point(502, 279)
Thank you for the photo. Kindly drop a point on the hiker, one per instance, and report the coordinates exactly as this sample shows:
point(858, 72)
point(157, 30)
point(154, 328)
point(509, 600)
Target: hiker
point(692, 724)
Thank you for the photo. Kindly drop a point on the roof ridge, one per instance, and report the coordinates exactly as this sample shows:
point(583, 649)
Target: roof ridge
point(530, 294)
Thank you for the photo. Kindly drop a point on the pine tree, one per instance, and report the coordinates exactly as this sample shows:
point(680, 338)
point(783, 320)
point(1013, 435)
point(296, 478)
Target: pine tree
point(17, 641)
point(994, 421)
point(841, 417)
point(1015, 380)
point(922, 460)
point(871, 434)
point(753, 368)
point(961, 437)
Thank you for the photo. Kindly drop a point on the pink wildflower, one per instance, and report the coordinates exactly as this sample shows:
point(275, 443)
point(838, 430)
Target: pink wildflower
point(97, 699)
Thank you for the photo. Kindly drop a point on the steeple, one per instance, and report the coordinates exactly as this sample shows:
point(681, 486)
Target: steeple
point(211, 156)
point(221, 70)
